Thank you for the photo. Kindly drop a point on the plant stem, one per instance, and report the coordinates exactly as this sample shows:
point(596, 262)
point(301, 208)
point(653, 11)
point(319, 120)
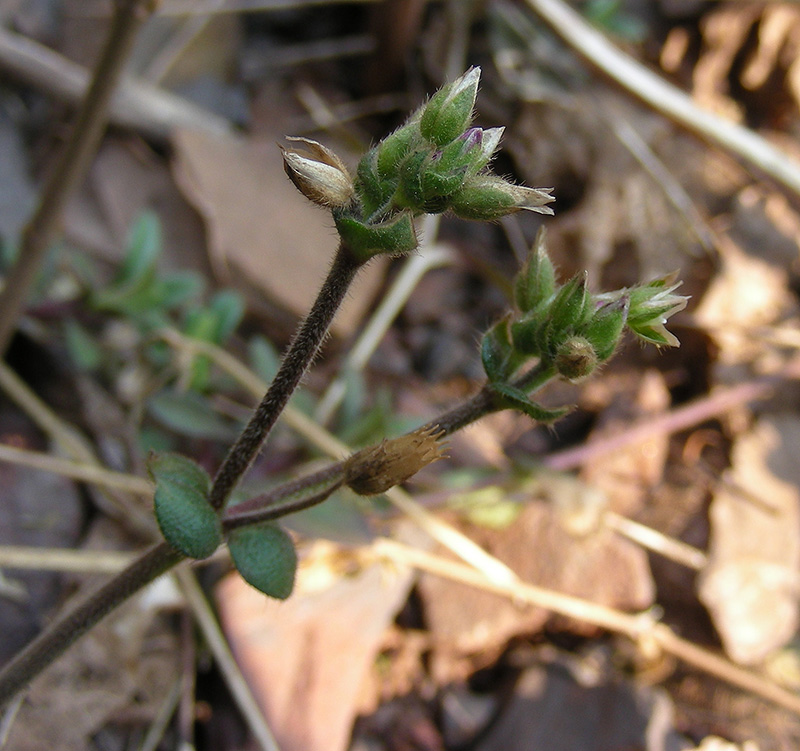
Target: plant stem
point(72, 165)
point(301, 352)
point(160, 558)
point(55, 640)
point(325, 481)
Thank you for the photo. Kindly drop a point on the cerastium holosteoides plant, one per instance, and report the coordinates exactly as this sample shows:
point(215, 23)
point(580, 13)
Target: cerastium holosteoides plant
point(436, 162)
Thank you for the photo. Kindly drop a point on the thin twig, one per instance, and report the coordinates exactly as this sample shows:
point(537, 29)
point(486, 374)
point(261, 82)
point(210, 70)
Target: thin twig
point(158, 727)
point(664, 97)
point(651, 539)
point(63, 559)
point(640, 627)
point(54, 641)
point(77, 470)
point(225, 660)
point(72, 165)
point(138, 105)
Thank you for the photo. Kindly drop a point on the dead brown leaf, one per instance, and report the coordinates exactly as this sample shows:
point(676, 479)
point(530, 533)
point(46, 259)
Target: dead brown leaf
point(260, 229)
point(750, 585)
point(626, 476)
point(306, 659)
point(598, 566)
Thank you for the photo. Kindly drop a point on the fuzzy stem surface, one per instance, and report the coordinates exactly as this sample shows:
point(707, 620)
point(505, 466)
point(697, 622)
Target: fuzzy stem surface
point(301, 352)
point(55, 640)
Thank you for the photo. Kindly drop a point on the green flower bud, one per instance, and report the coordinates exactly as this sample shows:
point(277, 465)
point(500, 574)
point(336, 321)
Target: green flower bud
point(395, 236)
point(651, 306)
point(410, 189)
point(318, 173)
point(530, 334)
point(395, 147)
point(605, 329)
point(571, 307)
point(373, 190)
point(575, 358)
point(488, 197)
point(536, 282)
point(449, 112)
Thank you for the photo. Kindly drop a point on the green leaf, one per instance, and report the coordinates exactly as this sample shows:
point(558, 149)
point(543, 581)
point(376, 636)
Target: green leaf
point(228, 306)
point(513, 398)
point(190, 414)
point(179, 287)
point(143, 249)
point(264, 358)
point(186, 519)
point(85, 352)
point(266, 558)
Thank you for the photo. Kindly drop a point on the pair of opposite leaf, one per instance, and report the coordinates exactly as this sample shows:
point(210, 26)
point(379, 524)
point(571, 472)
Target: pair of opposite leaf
point(264, 554)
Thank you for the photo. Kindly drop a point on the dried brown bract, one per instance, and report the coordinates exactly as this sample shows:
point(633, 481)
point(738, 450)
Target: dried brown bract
point(376, 469)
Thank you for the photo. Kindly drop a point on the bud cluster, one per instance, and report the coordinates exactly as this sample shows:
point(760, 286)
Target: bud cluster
point(570, 329)
point(436, 162)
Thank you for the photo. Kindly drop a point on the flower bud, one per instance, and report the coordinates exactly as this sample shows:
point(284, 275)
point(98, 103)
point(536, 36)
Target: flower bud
point(488, 197)
point(318, 173)
point(395, 147)
point(650, 307)
point(449, 112)
point(575, 358)
point(605, 329)
point(374, 470)
point(536, 282)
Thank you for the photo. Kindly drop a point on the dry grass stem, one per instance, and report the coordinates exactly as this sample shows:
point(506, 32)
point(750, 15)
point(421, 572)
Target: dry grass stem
point(651, 539)
point(64, 559)
point(664, 97)
point(77, 470)
point(641, 627)
point(225, 660)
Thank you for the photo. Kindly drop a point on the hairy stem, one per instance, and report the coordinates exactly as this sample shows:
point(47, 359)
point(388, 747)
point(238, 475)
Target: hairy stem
point(298, 495)
point(301, 352)
point(316, 487)
point(54, 641)
point(72, 165)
